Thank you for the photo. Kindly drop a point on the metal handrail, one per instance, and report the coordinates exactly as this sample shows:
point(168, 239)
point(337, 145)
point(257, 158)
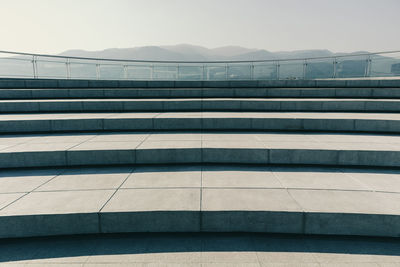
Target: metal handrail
point(197, 62)
point(364, 65)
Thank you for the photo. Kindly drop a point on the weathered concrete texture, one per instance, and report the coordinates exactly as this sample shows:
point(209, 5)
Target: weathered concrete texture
point(249, 121)
point(194, 198)
point(257, 186)
point(152, 210)
point(201, 249)
point(59, 83)
point(53, 213)
point(121, 148)
point(152, 93)
point(193, 104)
point(261, 210)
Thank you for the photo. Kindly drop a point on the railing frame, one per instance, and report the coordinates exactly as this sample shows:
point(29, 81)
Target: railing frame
point(204, 65)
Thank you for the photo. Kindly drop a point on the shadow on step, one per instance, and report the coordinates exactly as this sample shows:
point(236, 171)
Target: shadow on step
point(133, 244)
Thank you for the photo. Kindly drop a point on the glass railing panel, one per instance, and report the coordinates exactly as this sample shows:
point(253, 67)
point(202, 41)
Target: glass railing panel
point(190, 72)
point(216, 72)
point(83, 69)
point(111, 71)
point(319, 68)
point(351, 67)
point(265, 71)
point(240, 71)
point(48, 67)
point(162, 71)
point(16, 66)
point(138, 71)
point(385, 65)
point(291, 70)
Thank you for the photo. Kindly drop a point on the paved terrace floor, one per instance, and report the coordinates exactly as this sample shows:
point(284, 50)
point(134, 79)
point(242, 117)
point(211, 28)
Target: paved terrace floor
point(196, 250)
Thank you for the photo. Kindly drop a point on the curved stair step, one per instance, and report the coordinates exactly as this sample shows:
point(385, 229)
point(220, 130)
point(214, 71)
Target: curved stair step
point(185, 148)
point(193, 104)
point(339, 92)
point(197, 198)
point(246, 121)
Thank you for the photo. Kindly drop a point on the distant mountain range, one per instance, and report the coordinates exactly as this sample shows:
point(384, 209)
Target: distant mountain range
point(186, 52)
point(344, 68)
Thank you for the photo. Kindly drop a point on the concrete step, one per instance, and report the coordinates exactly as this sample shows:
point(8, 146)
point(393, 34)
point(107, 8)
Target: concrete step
point(200, 198)
point(379, 82)
point(62, 93)
point(200, 249)
point(122, 148)
point(203, 104)
point(246, 121)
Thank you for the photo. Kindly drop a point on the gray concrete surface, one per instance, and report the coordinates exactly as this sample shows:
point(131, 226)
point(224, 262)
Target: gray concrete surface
point(201, 250)
point(147, 93)
point(194, 198)
point(60, 83)
point(119, 148)
point(272, 194)
point(277, 121)
point(203, 104)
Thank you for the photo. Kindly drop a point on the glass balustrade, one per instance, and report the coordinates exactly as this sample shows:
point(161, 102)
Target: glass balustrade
point(363, 65)
point(19, 66)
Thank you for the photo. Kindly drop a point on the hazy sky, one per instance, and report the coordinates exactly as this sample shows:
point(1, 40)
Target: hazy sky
point(52, 26)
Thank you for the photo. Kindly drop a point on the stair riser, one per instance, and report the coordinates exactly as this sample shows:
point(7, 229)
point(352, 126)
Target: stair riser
point(167, 124)
point(78, 200)
point(200, 221)
point(200, 155)
point(199, 93)
point(199, 105)
point(64, 83)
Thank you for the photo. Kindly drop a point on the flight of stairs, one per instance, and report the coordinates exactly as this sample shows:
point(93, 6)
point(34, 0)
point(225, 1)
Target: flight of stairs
point(305, 157)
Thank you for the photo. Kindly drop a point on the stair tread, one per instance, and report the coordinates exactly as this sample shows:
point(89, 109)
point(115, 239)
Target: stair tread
point(199, 99)
point(207, 114)
point(159, 170)
point(226, 191)
point(119, 148)
point(261, 140)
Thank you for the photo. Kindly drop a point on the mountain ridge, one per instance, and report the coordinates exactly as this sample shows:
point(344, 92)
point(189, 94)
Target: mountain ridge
point(187, 52)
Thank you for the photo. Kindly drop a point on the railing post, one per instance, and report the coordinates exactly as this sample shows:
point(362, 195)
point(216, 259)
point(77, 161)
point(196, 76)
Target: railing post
point(305, 69)
point(368, 67)
point(97, 71)
point(67, 65)
point(125, 72)
point(334, 68)
point(204, 72)
point(277, 69)
point(34, 65)
point(226, 72)
point(151, 72)
point(177, 72)
point(252, 71)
